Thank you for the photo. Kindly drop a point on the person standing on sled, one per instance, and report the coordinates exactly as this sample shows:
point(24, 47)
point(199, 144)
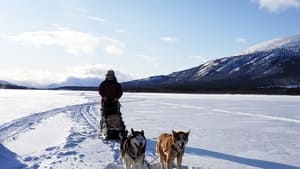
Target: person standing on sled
point(110, 91)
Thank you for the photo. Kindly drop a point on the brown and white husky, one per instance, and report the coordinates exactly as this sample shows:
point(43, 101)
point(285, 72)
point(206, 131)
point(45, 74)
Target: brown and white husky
point(171, 146)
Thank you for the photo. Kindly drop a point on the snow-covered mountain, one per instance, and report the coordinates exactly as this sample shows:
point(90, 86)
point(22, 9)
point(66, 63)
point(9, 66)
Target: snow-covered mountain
point(76, 81)
point(270, 64)
point(93, 82)
point(282, 43)
point(7, 85)
point(84, 77)
point(2, 82)
point(69, 82)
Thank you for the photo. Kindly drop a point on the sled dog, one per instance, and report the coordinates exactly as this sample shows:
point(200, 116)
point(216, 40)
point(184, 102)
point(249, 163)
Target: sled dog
point(171, 146)
point(133, 149)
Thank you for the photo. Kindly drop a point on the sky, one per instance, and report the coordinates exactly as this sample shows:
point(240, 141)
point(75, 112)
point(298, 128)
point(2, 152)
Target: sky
point(50, 40)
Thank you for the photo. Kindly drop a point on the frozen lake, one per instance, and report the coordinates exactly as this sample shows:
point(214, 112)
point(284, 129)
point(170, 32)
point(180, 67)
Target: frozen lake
point(227, 131)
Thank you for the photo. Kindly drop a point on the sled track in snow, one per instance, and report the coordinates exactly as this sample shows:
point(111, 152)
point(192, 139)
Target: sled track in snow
point(232, 112)
point(83, 113)
point(89, 113)
point(85, 118)
point(13, 128)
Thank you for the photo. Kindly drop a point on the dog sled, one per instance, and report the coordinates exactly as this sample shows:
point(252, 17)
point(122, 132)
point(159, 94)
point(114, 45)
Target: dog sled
point(111, 123)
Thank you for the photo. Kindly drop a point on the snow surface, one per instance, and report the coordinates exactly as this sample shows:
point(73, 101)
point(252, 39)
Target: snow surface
point(227, 131)
point(19, 103)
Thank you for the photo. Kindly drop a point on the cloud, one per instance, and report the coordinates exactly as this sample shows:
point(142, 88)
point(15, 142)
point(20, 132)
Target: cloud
point(96, 71)
point(169, 40)
point(199, 58)
point(84, 13)
point(26, 76)
point(97, 19)
point(121, 31)
point(241, 40)
point(150, 59)
point(73, 42)
point(277, 5)
point(81, 10)
point(112, 49)
point(39, 78)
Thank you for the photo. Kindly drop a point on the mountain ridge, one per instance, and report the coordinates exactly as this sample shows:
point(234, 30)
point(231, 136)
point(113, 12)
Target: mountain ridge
point(277, 66)
point(7, 85)
point(289, 42)
point(76, 82)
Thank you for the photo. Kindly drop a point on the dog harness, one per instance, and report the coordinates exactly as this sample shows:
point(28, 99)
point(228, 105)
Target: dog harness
point(178, 150)
point(131, 152)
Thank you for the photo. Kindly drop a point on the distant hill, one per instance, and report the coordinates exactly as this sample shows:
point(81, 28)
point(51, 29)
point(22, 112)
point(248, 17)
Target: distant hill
point(270, 66)
point(76, 82)
point(83, 88)
point(7, 85)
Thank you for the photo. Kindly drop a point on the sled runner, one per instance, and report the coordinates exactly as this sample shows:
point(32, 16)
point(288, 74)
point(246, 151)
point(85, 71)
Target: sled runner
point(111, 123)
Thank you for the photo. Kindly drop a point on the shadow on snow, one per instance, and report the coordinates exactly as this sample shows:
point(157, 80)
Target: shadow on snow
point(9, 159)
point(241, 160)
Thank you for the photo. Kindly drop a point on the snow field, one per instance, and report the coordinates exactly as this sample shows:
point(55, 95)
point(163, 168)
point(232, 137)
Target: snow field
point(227, 131)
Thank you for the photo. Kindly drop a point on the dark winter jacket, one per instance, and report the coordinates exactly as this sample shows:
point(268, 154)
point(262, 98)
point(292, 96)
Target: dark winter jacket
point(110, 89)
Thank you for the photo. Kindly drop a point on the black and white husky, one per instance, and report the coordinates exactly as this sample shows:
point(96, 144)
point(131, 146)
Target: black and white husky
point(133, 149)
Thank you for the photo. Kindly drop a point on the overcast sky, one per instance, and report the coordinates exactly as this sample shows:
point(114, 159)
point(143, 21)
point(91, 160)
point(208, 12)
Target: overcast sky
point(47, 41)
